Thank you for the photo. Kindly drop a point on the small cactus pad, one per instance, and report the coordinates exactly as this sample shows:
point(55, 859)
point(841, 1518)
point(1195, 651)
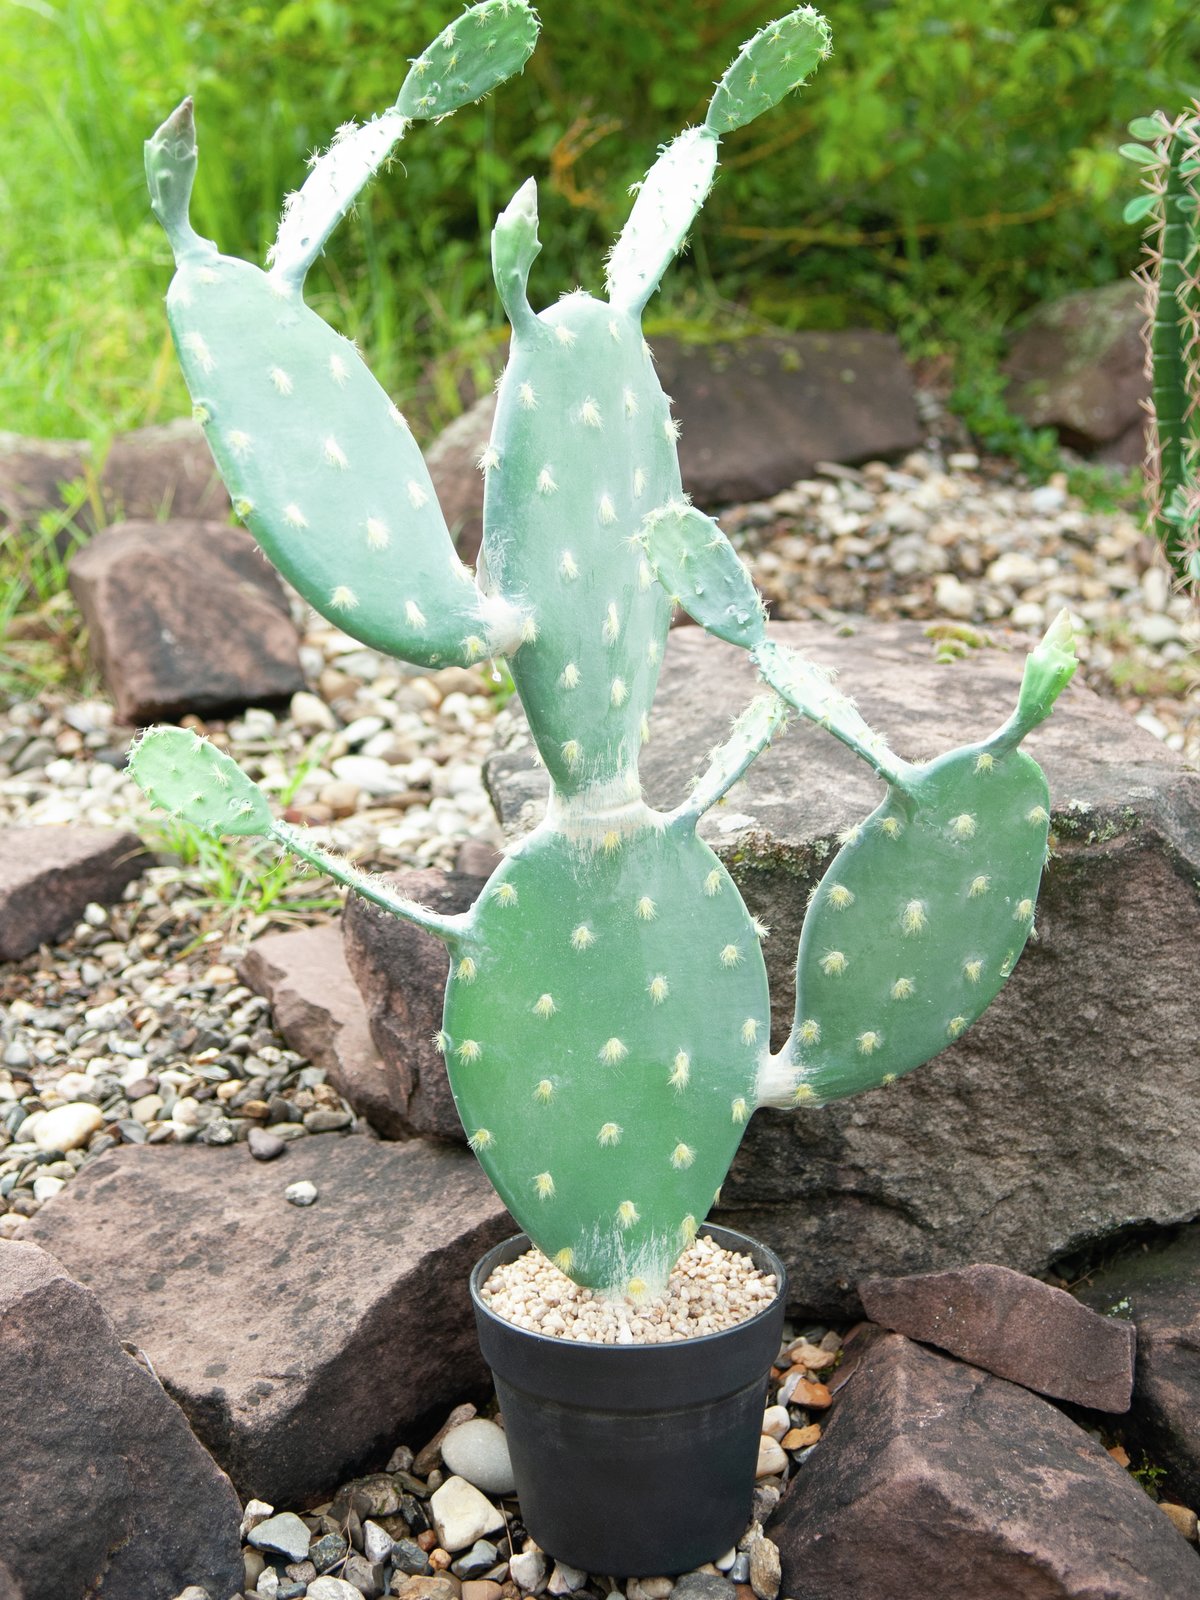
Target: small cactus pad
point(191, 779)
point(768, 67)
point(668, 199)
point(467, 60)
point(918, 921)
point(602, 1033)
point(701, 571)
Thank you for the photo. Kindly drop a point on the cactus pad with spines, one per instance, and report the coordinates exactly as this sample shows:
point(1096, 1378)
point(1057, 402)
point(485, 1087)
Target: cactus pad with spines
point(606, 1020)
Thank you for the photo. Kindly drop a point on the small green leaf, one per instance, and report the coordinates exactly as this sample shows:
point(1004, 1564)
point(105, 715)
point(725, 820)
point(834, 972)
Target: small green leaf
point(1141, 206)
point(1140, 153)
point(1146, 128)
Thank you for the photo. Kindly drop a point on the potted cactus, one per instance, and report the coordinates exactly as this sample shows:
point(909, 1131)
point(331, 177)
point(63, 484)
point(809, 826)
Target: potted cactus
point(1168, 153)
point(606, 1017)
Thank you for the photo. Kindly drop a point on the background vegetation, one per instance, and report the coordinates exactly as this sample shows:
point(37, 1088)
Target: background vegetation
point(951, 165)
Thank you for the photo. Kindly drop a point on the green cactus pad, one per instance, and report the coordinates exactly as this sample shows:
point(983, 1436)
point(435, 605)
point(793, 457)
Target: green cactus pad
point(768, 67)
point(701, 571)
point(467, 60)
point(194, 781)
point(583, 445)
point(602, 1032)
point(322, 467)
point(918, 921)
point(667, 202)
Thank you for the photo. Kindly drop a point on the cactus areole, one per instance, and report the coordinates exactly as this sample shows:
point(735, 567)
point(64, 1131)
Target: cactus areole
point(607, 1016)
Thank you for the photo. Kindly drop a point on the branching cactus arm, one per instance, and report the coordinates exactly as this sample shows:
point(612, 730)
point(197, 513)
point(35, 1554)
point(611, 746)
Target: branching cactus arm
point(318, 460)
point(194, 782)
point(769, 66)
point(924, 911)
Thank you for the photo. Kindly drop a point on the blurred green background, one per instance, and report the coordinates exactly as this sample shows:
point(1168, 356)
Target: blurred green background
point(952, 164)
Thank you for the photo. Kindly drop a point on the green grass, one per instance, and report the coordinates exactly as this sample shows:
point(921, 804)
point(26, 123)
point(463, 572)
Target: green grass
point(237, 882)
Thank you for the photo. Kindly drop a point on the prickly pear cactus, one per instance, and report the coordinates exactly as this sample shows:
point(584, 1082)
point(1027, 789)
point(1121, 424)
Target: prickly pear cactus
point(606, 1020)
point(1168, 154)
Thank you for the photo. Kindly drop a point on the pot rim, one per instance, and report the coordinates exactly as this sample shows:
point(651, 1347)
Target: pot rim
point(490, 1260)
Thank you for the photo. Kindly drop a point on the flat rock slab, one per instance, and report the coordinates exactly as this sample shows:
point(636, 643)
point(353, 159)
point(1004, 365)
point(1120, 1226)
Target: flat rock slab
point(103, 1488)
point(1159, 1290)
point(184, 616)
point(1070, 1109)
point(1013, 1326)
point(302, 1342)
point(162, 471)
point(48, 875)
point(319, 1011)
point(401, 974)
point(934, 1478)
point(1079, 366)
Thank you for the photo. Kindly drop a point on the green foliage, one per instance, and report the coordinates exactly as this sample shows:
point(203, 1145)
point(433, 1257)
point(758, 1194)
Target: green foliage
point(1005, 182)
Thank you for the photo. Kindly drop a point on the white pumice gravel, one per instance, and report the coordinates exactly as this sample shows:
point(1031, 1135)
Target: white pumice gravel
point(709, 1289)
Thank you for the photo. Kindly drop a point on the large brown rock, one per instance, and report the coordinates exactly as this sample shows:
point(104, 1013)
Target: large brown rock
point(759, 413)
point(302, 1342)
point(756, 413)
point(1079, 366)
point(934, 1478)
point(1013, 1326)
point(184, 616)
point(162, 471)
point(319, 1011)
point(1070, 1109)
point(401, 975)
point(103, 1488)
point(48, 875)
point(1159, 1290)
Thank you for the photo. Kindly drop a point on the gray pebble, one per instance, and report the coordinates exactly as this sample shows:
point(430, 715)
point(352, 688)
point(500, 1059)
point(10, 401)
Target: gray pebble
point(478, 1451)
point(284, 1534)
point(377, 1542)
point(739, 1572)
point(327, 1551)
point(408, 1557)
point(301, 1193)
point(324, 1119)
point(265, 1146)
point(473, 1563)
point(703, 1586)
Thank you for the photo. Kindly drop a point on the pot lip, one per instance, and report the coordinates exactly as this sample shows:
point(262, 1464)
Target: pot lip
point(662, 1350)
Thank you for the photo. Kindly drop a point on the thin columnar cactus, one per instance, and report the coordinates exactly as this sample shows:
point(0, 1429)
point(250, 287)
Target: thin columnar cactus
point(607, 1016)
point(1169, 156)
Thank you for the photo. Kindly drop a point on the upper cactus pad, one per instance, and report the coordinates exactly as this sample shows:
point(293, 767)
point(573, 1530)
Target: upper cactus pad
point(467, 60)
point(777, 60)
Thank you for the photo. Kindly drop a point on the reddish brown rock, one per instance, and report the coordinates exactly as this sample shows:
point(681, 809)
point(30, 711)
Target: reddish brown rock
point(1014, 1326)
point(156, 472)
point(759, 413)
point(935, 1478)
point(1159, 1290)
point(160, 472)
point(184, 616)
point(1079, 366)
point(302, 1342)
point(319, 1011)
point(401, 975)
point(1024, 1138)
point(103, 1488)
point(33, 473)
point(49, 874)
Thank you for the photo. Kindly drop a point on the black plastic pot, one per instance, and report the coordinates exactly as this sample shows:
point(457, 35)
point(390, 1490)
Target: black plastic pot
point(633, 1460)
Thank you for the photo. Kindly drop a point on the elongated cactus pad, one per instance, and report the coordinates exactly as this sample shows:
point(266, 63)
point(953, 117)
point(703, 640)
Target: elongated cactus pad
point(606, 1020)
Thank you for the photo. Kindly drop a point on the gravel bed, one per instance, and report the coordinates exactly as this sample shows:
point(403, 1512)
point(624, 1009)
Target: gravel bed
point(138, 1012)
